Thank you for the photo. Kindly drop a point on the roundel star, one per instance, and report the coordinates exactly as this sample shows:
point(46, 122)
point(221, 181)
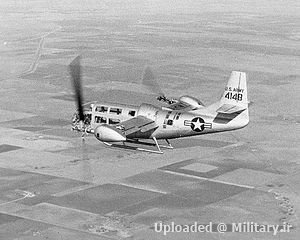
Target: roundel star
point(197, 124)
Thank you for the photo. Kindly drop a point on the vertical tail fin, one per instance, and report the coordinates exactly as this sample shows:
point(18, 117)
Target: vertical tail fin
point(234, 97)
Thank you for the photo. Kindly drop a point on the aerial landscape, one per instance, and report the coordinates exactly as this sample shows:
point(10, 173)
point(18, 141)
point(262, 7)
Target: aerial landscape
point(54, 185)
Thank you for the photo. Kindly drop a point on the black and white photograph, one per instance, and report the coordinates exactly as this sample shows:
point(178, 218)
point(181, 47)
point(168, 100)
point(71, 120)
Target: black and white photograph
point(149, 119)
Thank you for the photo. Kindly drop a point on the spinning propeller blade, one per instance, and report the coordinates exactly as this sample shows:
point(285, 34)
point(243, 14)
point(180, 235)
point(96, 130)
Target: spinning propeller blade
point(75, 71)
point(149, 80)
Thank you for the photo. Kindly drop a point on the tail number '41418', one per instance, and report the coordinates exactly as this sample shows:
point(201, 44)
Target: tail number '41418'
point(235, 96)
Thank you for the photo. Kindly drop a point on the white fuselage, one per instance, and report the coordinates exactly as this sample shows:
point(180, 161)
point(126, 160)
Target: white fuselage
point(170, 123)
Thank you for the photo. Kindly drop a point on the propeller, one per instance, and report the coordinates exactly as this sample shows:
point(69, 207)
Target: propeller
point(75, 71)
point(149, 80)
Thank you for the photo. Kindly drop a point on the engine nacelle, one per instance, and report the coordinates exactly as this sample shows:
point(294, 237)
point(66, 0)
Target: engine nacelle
point(194, 102)
point(107, 133)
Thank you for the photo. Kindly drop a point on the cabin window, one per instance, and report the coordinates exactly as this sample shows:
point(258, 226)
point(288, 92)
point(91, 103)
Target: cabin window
point(113, 121)
point(101, 109)
point(99, 119)
point(115, 110)
point(168, 114)
point(178, 115)
point(131, 113)
point(170, 122)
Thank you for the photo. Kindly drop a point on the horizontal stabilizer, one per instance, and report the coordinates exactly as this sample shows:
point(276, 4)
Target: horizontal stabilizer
point(229, 108)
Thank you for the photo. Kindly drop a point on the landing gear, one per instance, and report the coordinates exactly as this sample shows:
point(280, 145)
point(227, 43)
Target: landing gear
point(169, 144)
point(134, 141)
point(158, 148)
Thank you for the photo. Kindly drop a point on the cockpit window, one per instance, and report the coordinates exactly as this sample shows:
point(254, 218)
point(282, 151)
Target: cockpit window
point(87, 118)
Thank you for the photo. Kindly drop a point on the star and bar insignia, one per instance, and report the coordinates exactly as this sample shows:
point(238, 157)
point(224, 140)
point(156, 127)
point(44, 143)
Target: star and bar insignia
point(197, 124)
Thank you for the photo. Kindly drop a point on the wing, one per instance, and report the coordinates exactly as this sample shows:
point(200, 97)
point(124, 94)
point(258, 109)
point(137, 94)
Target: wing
point(137, 124)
